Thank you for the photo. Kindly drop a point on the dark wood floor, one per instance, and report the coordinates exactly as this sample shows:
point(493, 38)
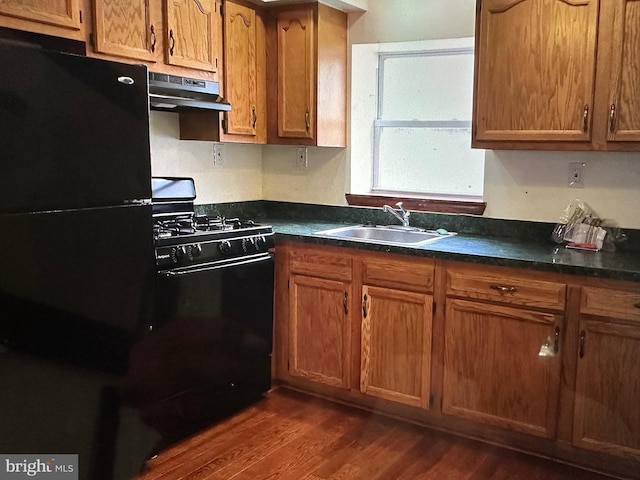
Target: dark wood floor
point(290, 436)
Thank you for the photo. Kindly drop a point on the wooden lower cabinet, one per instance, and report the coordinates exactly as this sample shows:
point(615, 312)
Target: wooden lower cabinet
point(501, 366)
point(538, 361)
point(319, 330)
point(607, 400)
point(396, 345)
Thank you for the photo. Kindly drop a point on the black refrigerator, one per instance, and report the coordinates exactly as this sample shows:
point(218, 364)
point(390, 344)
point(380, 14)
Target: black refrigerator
point(76, 263)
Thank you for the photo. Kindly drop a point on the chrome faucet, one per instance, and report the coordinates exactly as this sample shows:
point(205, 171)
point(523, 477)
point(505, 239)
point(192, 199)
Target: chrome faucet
point(403, 216)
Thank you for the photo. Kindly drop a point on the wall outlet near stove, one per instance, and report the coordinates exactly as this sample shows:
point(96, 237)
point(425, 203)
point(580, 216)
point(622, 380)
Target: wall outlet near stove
point(301, 158)
point(218, 154)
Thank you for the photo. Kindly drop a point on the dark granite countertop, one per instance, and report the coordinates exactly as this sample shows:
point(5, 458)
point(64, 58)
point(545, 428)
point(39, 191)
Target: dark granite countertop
point(488, 250)
point(479, 240)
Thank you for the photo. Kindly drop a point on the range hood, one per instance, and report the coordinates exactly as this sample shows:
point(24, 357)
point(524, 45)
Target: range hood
point(171, 93)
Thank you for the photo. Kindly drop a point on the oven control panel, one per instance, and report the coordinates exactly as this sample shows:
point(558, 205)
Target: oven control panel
point(196, 251)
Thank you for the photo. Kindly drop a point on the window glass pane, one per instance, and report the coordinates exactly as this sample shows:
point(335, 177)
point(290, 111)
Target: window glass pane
point(429, 160)
point(436, 86)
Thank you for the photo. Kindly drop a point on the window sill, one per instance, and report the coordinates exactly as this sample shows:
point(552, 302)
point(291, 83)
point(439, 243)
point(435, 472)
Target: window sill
point(418, 204)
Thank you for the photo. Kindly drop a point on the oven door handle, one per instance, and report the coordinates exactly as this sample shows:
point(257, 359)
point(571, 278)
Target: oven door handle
point(219, 265)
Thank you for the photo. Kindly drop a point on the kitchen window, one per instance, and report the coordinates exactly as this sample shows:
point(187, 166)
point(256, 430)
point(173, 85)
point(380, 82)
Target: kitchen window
point(411, 112)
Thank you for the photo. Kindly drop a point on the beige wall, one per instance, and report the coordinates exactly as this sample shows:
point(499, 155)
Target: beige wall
point(239, 177)
point(407, 20)
point(323, 182)
point(518, 185)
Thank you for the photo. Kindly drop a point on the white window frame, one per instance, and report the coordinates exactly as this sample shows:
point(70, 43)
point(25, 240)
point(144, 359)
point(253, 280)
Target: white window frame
point(362, 92)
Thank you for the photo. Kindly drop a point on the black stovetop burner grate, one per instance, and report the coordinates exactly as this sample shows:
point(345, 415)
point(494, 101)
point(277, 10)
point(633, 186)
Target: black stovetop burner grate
point(189, 224)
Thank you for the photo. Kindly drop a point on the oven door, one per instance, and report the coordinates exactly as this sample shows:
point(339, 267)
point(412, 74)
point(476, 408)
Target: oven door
point(209, 353)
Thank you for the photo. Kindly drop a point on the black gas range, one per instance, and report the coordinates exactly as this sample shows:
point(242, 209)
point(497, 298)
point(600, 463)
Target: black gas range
point(185, 241)
point(208, 353)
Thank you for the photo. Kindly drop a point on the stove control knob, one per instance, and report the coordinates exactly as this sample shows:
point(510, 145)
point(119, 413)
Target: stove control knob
point(248, 243)
point(196, 250)
point(260, 242)
point(225, 247)
point(177, 254)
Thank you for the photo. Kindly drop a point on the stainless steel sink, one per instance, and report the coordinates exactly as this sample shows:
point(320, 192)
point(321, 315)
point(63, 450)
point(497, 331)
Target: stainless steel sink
point(388, 234)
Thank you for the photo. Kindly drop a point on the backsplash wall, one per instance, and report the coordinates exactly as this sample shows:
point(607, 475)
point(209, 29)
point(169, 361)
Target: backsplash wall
point(239, 178)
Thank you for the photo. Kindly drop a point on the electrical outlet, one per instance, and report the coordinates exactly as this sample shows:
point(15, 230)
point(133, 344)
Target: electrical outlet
point(576, 174)
point(301, 158)
point(218, 154)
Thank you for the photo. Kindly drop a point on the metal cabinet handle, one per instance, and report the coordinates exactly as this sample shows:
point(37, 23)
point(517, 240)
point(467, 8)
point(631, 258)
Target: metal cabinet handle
point(173, 42)
point(345, 303)
point(153, 38)
point(364, 306)
point(612, 118)
point(254, 117)
point(504, 288)
point(583, 334)
point(306, 119)
point(556, 342)
point(585, 118)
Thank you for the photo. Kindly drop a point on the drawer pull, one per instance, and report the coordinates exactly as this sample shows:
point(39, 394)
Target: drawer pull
point(582, 335)
point(556, 343)
point(504, 288)
point(345, 303)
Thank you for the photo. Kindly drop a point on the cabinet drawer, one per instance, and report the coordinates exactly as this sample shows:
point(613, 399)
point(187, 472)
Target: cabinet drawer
point(608, 302)
point(320, 263)
point(511, 289)
point(398, 274)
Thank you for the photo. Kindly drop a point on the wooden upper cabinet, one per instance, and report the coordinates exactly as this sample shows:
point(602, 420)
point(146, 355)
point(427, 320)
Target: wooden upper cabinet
point(191, 33)
point(557, 75)
point(535, 69)
point(54, 17)
point(296, 73)
point(127, 28)
point(244, 74)
point(307, 76)
point(624, 106)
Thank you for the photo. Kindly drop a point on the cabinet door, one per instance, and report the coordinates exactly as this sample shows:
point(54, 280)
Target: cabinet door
point(606, 414)
point(624, 115)
point(59, 13)
point(535, 70)
point(396, 345)
point(240, 79)
point(125, 28)
point(320, 337)
point(190, 34)
point(296, 73)
point(502, 366)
